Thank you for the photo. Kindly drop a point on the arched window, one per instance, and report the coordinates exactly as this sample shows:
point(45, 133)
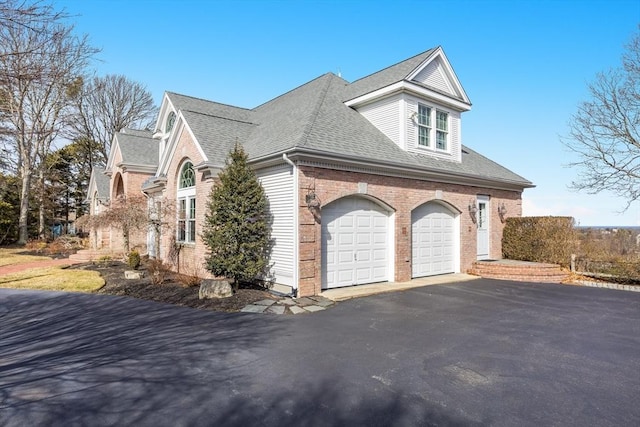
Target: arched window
point(187, 176)
point(171, 119)
point(187, 204)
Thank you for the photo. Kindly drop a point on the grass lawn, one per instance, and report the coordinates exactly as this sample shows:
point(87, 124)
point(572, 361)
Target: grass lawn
point(9, 256)
point(46, 278)
point(53, 279)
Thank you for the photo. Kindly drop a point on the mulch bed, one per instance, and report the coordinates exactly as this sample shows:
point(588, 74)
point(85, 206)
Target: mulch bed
point(171, 291)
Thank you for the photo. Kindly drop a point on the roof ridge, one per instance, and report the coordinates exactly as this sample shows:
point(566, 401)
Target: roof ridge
point(220, 117)
point(209, 101)
point(131, 135)
point(316, 110)
point(397, 63)
point(292, 90)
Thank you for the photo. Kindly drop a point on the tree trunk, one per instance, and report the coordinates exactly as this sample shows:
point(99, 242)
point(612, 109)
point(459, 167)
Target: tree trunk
point(23, 223)
point(41, 213)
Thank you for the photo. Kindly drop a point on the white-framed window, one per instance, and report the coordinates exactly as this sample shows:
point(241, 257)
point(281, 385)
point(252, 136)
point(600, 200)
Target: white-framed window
point(442, 130)
point(171, 119)
point(427, 133)
point(186, 204)
point(424, 125)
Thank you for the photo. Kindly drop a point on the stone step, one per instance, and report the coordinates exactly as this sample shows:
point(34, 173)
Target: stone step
point(89, 255)
point(519, 271)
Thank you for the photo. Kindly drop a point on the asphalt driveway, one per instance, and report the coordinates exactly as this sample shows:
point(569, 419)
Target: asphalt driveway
point(476, 353)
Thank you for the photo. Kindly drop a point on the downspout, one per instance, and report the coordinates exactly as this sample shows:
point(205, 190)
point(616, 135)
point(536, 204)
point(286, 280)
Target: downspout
point(149, 226)
point(296, 223)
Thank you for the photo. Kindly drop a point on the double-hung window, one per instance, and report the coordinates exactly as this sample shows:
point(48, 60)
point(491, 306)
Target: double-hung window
point(442, 130)
point(187, 204)
point(424, 125)
point(426, 132)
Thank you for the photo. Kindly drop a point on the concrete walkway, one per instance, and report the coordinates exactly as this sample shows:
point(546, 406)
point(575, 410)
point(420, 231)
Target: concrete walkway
point(288, 305)
point(16, 268)
point(341, 294)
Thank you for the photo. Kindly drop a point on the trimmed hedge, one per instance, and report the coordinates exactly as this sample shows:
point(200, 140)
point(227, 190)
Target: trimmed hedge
point(549, 239)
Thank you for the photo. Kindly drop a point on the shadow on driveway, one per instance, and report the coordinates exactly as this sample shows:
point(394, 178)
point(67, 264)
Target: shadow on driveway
point(78, 359)
point(476, 353)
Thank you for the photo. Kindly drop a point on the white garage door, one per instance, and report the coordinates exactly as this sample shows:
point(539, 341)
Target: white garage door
point(432, 239)
point(355, 243)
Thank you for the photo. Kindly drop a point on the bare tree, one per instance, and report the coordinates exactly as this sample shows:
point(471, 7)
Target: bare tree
point(605, 131)
point(40, 63)
point(106, 105)
point(25, 15)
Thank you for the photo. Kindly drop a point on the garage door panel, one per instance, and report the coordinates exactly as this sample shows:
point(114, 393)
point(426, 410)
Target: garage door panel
point(363, 275)
point(380, 238)
point(345, 276)
point(432, 240)
point(363, 256)
point(363, 238)
point(357, 230)
point(380, 255)
point(345, 239)
point(345, 257)
point(379, 273)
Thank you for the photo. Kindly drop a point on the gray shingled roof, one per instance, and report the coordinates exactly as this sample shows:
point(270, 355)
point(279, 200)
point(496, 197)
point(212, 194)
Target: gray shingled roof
point(102, 184)
point(217, 135)
point(314, 118)
point(138, 148)
point(138, 132)
point(209, 108)
point(385, 77)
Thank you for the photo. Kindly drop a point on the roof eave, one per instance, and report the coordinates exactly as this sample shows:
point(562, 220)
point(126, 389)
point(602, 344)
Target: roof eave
point(412, 88)
point(154, 184)
point(135, 167)
point(402, 170)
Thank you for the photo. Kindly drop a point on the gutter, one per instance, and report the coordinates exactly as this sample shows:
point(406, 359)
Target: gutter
point(397, 169)
point(296, 221)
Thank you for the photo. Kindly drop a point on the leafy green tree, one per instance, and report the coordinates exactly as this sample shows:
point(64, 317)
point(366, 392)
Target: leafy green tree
point(41, 58)
point(9, 208)
point(236, 228)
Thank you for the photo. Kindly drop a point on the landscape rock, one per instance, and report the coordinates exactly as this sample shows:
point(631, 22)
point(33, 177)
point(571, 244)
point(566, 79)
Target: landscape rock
point(211, 288)
point(133, 274)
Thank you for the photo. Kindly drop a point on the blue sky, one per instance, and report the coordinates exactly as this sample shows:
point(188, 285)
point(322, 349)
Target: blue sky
point(524, 64)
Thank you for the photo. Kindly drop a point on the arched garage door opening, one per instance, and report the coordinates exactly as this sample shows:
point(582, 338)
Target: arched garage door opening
point(434, 240)
point(356, 243)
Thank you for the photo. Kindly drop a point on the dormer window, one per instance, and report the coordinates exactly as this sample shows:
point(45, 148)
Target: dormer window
point(171, 119)
point(424, 125)
point(442, 130)
point(426, 133)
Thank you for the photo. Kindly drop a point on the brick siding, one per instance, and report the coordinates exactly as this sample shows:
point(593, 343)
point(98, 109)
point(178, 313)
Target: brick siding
point(402, 196)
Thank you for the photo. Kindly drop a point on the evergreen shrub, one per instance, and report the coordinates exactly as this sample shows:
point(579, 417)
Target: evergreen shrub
point(549, 239)
point(236, 228)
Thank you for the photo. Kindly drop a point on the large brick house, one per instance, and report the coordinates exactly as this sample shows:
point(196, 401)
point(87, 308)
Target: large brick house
point(367, 181)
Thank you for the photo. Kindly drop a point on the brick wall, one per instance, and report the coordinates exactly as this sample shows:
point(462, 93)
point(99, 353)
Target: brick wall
point(402, 196)
point(192, 255)
point(132, 184)
point(398, 194)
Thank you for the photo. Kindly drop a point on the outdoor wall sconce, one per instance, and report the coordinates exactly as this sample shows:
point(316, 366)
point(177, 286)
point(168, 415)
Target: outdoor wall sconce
point(312, 200)
point(313, 203)
point(502, 212)
point(473, 210)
